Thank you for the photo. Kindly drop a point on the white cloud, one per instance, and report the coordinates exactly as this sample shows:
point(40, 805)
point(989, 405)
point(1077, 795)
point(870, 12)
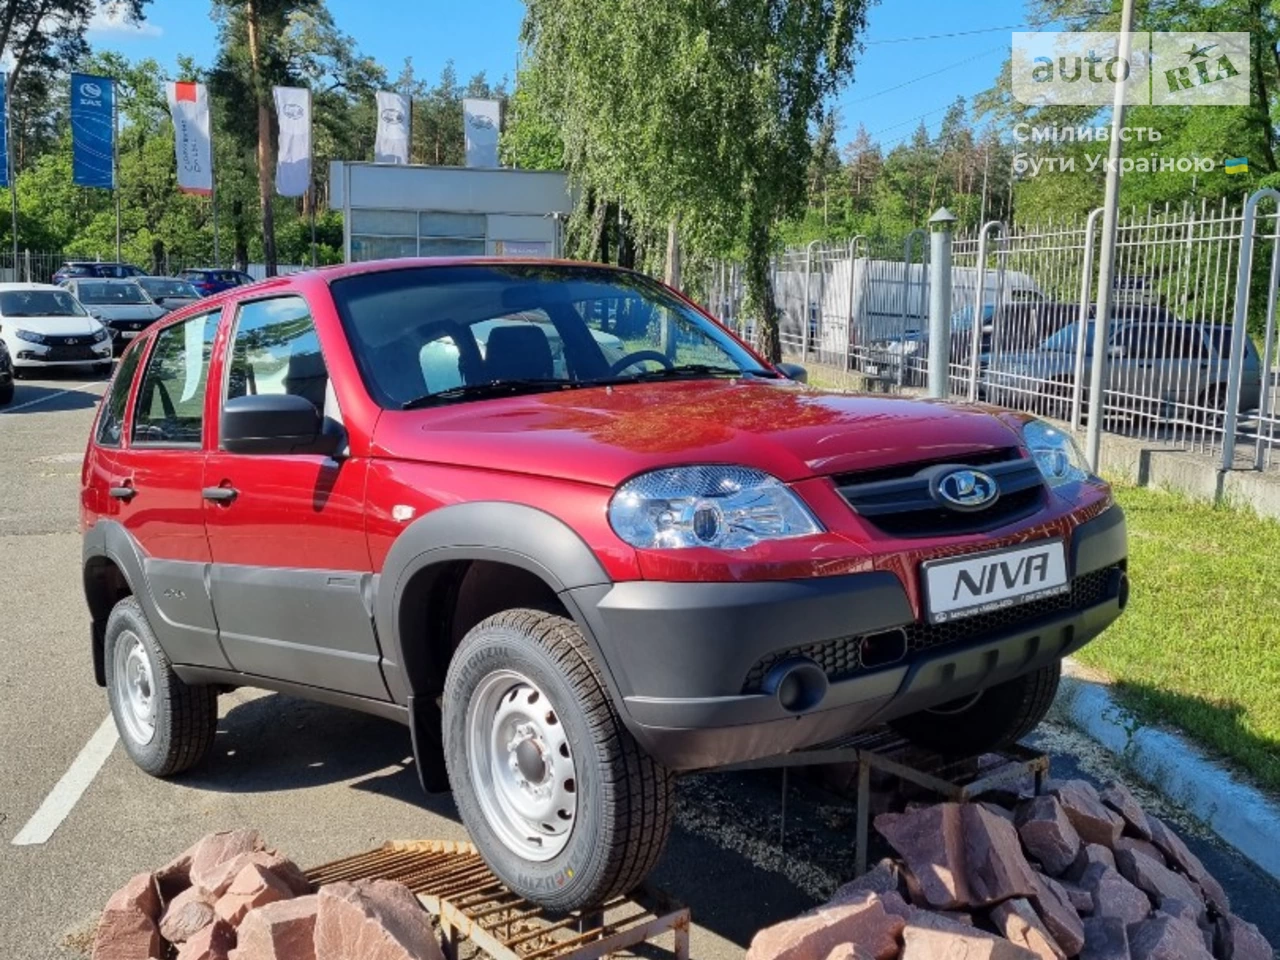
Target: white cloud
point(106, 20)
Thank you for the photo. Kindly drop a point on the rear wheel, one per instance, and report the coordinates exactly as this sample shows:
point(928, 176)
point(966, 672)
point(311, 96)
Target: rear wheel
point(566, 808)
point(166, 726)
point(993, 718)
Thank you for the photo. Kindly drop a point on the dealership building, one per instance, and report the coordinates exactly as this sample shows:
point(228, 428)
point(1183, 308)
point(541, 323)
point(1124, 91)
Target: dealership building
point(392, 210)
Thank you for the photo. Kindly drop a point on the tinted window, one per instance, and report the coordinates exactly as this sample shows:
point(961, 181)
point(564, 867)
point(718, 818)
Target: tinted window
point(170, 404)
point(276, 351)
point(108, 294)
point(168, 288)
point(111, 421)
point(39, 303)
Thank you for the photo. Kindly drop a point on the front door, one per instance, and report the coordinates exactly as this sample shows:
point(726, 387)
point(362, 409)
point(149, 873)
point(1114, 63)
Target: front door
point(152, 469)
point(291, 575)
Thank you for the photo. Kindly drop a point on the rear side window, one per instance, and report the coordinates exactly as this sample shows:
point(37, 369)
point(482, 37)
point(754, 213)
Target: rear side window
point(169, 410)
point(111, 421)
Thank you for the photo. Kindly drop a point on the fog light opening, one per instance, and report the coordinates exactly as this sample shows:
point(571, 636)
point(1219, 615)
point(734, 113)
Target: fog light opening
point(882, 649)
point(798, 683)
point(1120, 588)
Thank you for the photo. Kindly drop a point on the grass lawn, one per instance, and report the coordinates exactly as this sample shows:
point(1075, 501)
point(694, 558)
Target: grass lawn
point(1199, 645)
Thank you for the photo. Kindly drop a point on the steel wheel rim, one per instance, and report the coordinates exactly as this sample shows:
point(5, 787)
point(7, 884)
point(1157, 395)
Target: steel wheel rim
point(135, 688)
point(521, 765)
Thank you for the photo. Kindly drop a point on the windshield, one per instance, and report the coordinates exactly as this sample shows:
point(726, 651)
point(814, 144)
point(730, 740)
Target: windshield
point(39, 303)
point(169, 288)
point(110, 294)
point(439, 334)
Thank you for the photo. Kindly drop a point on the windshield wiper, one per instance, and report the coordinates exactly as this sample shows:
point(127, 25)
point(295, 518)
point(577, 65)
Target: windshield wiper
point(684, 370)
point(480, 391)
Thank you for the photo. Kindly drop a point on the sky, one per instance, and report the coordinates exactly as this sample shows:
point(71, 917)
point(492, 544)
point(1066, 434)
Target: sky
point(900, 78)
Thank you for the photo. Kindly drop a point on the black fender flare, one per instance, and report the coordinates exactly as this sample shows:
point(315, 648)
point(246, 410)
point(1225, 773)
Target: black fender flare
point(498, 531)
point(109, 540)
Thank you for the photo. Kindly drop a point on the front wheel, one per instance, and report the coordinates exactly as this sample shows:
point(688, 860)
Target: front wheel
point(995, 717)
point(563, 804)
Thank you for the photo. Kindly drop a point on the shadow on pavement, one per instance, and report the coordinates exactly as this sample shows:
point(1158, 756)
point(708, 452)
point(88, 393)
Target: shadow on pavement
point(50, 396)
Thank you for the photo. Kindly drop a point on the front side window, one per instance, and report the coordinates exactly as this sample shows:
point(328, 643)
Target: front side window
point(39, 303)
point(276, 350)
point(111, 420)
point(169, 410)
point(109, 294)
point(427, 335)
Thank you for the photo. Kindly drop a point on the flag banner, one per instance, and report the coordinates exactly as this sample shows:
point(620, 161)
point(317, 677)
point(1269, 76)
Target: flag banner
point(93, 129)
point(392, 145)
point(4, 132)
point(482, 120)
point(189, 105)
point(293, 157)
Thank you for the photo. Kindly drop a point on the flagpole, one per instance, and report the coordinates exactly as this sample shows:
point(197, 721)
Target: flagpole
point(311, 186)
point(11, 170)
point(213, 198)
point(115, 157)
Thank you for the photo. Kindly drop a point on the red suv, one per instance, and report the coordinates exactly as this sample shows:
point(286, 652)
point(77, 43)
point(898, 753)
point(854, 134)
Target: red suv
point(576, 537)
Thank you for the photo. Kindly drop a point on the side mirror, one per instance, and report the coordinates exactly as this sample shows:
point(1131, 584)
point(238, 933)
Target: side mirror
point(276, 423)
point(793, 371)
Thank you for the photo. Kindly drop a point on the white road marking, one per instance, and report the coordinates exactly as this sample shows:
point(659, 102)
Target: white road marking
point(47, 396)
point(63, 797)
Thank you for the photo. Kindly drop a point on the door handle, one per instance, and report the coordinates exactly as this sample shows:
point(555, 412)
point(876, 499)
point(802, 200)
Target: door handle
point(220, 494)
point(124, 491)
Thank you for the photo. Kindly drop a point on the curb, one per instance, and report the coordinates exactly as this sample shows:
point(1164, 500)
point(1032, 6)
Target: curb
point(1238, 813)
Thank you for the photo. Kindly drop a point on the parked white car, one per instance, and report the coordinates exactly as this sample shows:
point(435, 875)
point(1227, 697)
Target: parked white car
point(45, 326)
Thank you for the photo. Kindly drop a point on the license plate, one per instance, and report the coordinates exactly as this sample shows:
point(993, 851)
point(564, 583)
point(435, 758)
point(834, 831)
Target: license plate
point(982, 582)
point(128, 334)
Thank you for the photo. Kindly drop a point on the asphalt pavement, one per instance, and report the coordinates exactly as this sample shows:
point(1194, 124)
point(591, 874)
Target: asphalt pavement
point(320, 782)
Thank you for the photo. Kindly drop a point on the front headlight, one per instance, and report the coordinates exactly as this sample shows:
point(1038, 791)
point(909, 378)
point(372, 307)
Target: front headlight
point(728, 508)
point(29, 335)
point(1056, 454)
point(101, 335)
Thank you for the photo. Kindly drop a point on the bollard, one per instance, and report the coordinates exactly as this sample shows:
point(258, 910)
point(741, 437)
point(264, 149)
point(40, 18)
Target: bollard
point(940, 303)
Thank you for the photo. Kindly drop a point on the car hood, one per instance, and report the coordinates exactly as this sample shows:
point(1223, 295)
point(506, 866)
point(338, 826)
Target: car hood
point(68, 326)
point(605, 435)
point(126, 311)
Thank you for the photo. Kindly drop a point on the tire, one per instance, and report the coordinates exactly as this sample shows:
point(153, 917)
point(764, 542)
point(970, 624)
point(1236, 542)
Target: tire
point(6, 393)
point(167, 726)
point(997, 717)
point(103, 369)
point(595, 821)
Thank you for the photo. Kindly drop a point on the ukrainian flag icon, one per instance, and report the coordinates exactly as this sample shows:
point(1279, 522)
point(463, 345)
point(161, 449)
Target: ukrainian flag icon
point(1238, 165)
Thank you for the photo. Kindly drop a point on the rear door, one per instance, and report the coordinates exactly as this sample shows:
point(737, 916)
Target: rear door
point(291, 573)
point(152, 464)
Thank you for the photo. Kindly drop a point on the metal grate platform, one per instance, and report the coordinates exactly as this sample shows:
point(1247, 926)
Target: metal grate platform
point(454, 884)
point(958, 779)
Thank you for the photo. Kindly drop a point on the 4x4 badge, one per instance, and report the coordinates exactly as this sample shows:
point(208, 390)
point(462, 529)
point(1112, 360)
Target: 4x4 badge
point(969, 489)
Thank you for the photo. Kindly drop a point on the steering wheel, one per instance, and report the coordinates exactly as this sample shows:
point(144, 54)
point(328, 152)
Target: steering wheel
point(640, 356)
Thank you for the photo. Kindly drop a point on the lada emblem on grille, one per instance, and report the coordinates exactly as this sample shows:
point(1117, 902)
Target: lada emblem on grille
point(968, 489)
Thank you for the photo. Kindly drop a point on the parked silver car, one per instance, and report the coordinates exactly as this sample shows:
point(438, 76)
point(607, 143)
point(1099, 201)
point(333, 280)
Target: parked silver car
point(122, 305)
point(169, 292)
point(1158, 366)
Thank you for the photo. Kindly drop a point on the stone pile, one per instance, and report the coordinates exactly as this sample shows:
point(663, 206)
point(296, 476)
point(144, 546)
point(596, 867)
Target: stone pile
point(230, 897)
point(1075, 872)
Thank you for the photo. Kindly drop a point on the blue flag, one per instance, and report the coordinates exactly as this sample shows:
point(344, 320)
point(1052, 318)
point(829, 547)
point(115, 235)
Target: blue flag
point(92, 131)
point(4, 132)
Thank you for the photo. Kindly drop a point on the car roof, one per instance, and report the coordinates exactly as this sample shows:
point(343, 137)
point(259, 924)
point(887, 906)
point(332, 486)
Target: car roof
point(107, 280)
point(15, 287)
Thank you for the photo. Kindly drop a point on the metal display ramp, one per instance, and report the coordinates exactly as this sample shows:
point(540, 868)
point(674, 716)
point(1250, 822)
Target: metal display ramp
point(453, 883)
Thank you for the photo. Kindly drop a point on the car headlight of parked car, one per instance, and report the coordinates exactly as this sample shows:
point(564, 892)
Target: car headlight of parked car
point(29, 335)
point(1055, 452)
point(101, 334)
point(728, 508)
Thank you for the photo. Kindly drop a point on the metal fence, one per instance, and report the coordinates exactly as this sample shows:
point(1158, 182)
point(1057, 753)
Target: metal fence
point(1023, 321)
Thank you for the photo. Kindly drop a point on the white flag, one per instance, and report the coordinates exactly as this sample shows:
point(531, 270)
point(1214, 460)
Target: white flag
point(482, 121)
point(293, 159)
point(392, 145)
point(189, 105)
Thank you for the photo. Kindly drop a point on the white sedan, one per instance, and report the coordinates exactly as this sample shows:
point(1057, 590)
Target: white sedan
point(45, 326)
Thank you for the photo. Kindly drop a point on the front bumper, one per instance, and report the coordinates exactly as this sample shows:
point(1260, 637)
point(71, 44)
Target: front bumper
point(680, 654)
